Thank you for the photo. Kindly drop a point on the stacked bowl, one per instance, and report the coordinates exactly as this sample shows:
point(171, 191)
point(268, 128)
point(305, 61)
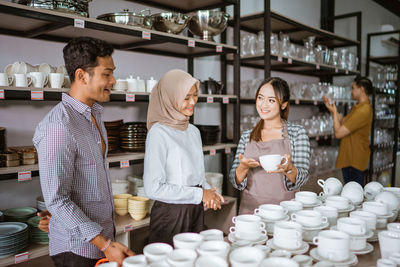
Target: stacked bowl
point(138, 207)
point(121, 204)
point(37, 235)
point(19, 214)
point(14, 238)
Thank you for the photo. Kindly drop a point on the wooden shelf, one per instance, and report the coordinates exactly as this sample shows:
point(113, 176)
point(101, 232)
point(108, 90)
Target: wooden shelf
point(35, 251)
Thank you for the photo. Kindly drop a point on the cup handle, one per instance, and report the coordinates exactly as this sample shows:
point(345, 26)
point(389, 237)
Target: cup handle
point(29, 78)
point(321, 194)
point(46, 80)
point(264, 232)
point(262, 225)
point(10, 80)
point(257, 211)
point(363, 230)
point(286, 160)
point(324, 219)
point(234, 219)
point(232, 229)
point(293, 217)
point(321, 183)
point(315, 240)
point(285, 210)
point(298, 234)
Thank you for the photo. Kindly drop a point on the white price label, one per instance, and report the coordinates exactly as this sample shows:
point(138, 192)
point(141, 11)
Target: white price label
point(228, 150)
point(130, 98)
point(191, 43)
point(210, 99)
point(317, 67)
point(37, 95)
point(79, 23)
point(297, 101)
point(213, 152)
point(124, 163)
point(218, 49)
point(225, 100)
point(280, 59)
point(336, 70)
point(22, 257)
point(290, 61)
point(347, 72)
point(24, 176)
point(2, 94)
point(128, 228)
point(146, 35)
point(315, 103)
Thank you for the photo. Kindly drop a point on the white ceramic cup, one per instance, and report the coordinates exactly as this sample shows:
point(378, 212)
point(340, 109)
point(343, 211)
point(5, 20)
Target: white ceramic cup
point(135, 261)
point(306, 197)
point(271, 211)
point(246, 257)
point(150, 84)
point(120, 85)
point(187, 240)
point(141, 85)
point(207, 261)
point(329, 212)
point(389, 242)
point(281, 253)
point(39, 79)
point(395, 257)
point(354, 194)
point(248, 227)
point(389, 198)
point(353, 185)
point(331, 186)
point(394, 227)
point(288, 235)
point(378, 208)
point(271, 162)
point(357, 243)
point(57, 80)
point(368, 217)
point(309, 218)
point(250, 236)
point(214, 248)
point(5, 80)
point(338, 202)
point(279, 262)
point(22, 80)
point(212, 234)
point(182, 257)
point(352, 226)
point(394, 190)
point(157, 251)
point(132, 84)
point(372, 189)
point(26, 68)
point(292, 206)
point(47, 68)
point(333, 245)
point(385, 263)
point(303, 260)
point(163, 263)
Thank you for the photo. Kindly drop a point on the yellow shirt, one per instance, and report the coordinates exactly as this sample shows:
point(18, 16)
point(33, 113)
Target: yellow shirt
point(354, 148)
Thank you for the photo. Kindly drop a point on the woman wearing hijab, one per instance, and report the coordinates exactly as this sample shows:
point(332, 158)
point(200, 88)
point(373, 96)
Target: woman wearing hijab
point(272, 135)
point(174, 174)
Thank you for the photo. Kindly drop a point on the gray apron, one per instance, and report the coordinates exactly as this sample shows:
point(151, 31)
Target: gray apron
point(263, 187)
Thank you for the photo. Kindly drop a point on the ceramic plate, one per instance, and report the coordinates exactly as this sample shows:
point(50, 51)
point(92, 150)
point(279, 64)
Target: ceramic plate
point(20, 212)
point(385, 216)
point(11, 228)
point(318, 203)
point(368, 249)
point(350, 208)
point(284, 218)
point(322, 226)
point(232, 238)
point(303, 249)
point(350, 262)
point(368, 234)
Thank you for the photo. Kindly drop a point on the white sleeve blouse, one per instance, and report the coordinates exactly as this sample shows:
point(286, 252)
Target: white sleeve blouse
point(173, 165)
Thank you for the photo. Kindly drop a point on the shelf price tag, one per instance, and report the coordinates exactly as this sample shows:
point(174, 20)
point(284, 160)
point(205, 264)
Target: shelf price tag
point(130, 98)
point(280, 59)
point(128, 228)
point(210, 99)
point(336, 70)
point(290, 60)
point(228, 150)
point(315, 103)
point(24, 176)
point(213, 152)
point(317, 66)
point(2, 94)
point(225, 100)
point(37, 95)
point(297, 101)
point(326, 137)
point(317, 138)
point(191, 43)
point(124, 164)
point(146, 35)
point(22, 257)
point(79, 23)
point(218, 49)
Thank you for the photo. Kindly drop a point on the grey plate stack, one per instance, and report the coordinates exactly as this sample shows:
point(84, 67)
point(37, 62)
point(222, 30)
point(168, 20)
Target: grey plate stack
point(37, 235)
point(19, 214)
point(14, 238)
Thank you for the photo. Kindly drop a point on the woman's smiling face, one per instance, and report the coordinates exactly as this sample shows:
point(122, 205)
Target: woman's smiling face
point(191, 98)
point(267, 104)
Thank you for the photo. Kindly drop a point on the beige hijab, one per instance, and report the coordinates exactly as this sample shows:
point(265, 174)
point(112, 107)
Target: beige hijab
point(167, 97)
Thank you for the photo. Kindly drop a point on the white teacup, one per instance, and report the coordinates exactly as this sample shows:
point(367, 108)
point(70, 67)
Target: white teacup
point(246, 257)
point(206, 261)
point(309, 218)
point(248, 227)
point(338, 202)
point(352, 226)
point(368, 217)
point(394, 190)
point(212, 234)
point(395, 257)
point(292, 206)
point(394, 227)
point(279, 262)
point(357, 243)
point(389, 198)
point(163, 263)
point(331, 186)
point(182, 257)
point(157, 251)
point(372, 189)
point(187, 240)
point(288, 235)
point(57, 80)
point(381, 223)
point(26, 68)
point(22, 80)
point(5, 80)
point(385, 263)
point(215, 248)
point(354, 185)
point(47, 69)
point(271, 211)
point(303, 260)
point(354, 194)
point(306, 197)
point(132, 84)
point(329, 212)
point(250, 235)
point(271, 162)
point(380, 209)
point(333, 245)
point(281, 253)
point(389, 242)
point(39, 79)
point(135, 261)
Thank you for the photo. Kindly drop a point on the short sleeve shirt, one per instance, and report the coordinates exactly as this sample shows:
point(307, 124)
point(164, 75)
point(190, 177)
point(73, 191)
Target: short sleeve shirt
point(354, 148)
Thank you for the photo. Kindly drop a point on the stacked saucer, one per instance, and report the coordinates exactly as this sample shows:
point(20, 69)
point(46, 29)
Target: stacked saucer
point(312, 223)
point(308, 199)
point(14, 238)
point(270, 214)
point(343, 204)
point(37, 235)
point(133, 136)
point(113, 128)
point(288, 236)
point(40, 205)
point(19, 214)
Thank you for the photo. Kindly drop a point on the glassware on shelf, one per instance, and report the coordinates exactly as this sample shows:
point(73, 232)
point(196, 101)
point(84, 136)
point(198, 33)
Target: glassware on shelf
point(343, 58)
point(284, 45)
point(322, 158)
point(274, 44)
point(315, 91)
point(260, 43)
point(352, 61)
point(335, 59)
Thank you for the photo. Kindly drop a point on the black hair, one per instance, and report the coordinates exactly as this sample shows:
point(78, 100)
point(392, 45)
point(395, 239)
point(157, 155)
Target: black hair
point(82, 52)
point(365, 83)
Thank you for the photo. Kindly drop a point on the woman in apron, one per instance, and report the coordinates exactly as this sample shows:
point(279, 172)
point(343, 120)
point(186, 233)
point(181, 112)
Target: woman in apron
point(272, 135)
point(174, 174)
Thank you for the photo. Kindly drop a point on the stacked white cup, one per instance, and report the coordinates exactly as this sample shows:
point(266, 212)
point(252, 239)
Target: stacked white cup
point(288, 235)
point(271, 212)
point(309, 218)
point(248, 227)
point(356, 229)
point(331, 186)
point(246, 257)
point(292, 206)
point(157, 252)
point(389, 242)
point(332, 245)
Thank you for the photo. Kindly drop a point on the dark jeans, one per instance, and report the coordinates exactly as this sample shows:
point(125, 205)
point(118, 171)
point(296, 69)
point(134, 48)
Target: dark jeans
point(353, 174)
point(69, 259)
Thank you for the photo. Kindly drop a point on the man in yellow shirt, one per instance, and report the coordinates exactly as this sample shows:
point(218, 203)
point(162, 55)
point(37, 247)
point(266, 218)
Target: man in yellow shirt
point(354, 131)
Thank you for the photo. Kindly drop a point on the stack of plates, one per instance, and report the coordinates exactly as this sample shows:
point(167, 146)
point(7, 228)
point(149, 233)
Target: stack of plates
point(113, 128)
point(2, 139)
point(40, 204)
point(37, 235)
point(133, 136)
point(19, 214)
point(14, 238)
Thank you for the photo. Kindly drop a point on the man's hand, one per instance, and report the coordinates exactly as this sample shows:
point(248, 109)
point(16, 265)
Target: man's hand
point(44, 220)
point(330, 105)
point(212, 199)
point(115, 251)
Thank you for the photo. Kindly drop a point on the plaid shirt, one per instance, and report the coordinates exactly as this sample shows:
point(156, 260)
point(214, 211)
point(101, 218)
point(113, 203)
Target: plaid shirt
point(300, 147)
point(74, 177)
